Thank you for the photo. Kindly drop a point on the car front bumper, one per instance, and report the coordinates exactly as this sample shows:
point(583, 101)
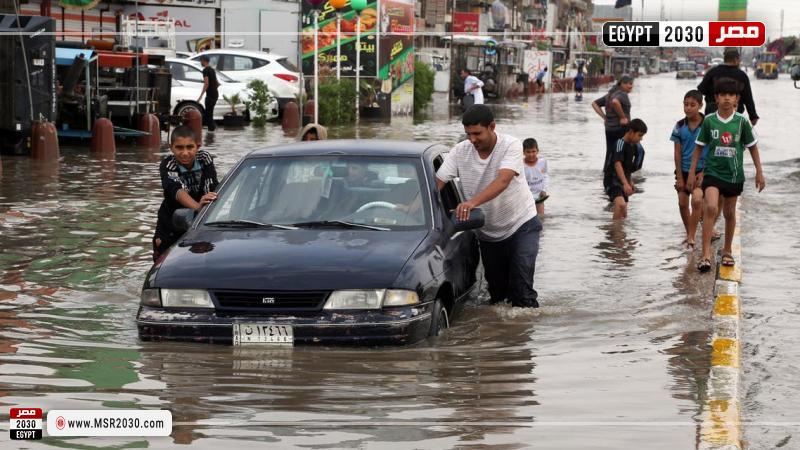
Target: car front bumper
point(395, 326)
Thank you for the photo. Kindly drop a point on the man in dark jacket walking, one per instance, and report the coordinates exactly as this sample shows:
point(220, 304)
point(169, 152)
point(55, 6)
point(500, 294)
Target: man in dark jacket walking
point(729, 69)
point(210, 86)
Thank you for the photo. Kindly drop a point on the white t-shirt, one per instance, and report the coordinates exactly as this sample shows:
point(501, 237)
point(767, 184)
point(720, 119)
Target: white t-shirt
point(538, 177)
point(509, 210)
point(477, 94)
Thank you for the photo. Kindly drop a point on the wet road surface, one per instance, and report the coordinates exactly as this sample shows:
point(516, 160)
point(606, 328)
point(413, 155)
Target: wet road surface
point(617, 357)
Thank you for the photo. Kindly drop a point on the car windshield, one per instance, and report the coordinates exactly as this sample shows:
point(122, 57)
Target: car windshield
point(326, 191)
point(687, 66)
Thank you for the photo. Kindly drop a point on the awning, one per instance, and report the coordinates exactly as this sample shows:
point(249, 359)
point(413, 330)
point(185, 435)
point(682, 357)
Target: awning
point(65, 56)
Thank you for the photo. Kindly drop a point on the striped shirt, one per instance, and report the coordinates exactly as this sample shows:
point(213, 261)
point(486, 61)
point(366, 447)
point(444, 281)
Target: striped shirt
point(509, 210)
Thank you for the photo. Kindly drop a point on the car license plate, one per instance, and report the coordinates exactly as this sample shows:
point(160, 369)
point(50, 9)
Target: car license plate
point(262, 333)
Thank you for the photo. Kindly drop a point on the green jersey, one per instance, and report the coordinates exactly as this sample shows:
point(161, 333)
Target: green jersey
point(726, 140)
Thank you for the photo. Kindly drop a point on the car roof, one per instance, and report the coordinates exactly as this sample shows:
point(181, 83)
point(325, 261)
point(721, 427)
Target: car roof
point(188, 62)
point(235, 51)
point(363, 147)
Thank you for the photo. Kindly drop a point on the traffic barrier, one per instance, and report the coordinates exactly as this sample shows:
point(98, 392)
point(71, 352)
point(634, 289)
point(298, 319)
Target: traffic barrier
point(44, 141)
point(720, 428)
point(291, 117)
point(103, 137)
point(194, 120)
point(149, 124)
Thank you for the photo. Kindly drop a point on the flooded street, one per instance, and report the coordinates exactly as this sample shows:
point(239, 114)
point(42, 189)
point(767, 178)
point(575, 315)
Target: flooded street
point(617, 357)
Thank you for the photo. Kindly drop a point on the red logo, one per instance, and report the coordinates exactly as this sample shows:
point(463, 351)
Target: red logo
point(60, 422)
point(726, 138)
point(736, 34)
point(26, 413)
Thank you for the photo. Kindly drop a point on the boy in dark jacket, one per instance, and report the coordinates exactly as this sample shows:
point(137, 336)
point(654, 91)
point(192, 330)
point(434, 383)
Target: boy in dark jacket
point(189, 178)
point(626, 159)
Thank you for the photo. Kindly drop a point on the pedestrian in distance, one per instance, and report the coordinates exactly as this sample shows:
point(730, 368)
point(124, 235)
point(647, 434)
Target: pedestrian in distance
point(211, 91)
point(491, 170)
point(726, 133)
point(540, 80)
point(536, 174)
point(729, 69)
point(188, 179)
point(684, 135)
point(473, 94)
point(313, 132)
point(616, 117)
point(579, 78)
point(627, 158)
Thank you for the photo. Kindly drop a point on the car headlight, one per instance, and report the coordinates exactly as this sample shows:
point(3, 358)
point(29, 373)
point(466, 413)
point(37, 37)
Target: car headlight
point(151, 297)
point(186, 298)
point(370, 299)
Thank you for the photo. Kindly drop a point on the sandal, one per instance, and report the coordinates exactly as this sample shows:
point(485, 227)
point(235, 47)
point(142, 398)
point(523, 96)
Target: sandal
point(704, 265)
point(727, 260)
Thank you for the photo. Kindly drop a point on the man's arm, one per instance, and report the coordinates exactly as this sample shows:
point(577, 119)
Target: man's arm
point(749, 103)
point(598, 110)
point(690, 180)
point(205, 87)
point(494, 189)
point(626, 186)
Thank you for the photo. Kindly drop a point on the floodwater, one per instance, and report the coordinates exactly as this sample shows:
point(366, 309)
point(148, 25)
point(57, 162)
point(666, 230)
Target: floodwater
point(617, 357)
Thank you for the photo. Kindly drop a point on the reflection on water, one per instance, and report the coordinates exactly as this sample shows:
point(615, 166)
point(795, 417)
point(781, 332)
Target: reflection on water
point(616, 356)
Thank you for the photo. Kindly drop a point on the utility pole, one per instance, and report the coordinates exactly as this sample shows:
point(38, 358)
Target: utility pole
point(781, 35)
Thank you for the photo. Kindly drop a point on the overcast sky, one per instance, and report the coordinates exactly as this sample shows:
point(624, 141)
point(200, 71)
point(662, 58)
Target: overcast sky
point(767, 11)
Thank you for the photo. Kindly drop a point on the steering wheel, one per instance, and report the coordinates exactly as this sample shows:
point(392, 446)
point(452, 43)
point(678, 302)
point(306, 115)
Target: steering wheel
point(370, 205)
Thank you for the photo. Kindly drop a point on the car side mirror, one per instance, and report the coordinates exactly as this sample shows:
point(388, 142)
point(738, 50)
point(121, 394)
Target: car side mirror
point(182, 218)
point(476, 220)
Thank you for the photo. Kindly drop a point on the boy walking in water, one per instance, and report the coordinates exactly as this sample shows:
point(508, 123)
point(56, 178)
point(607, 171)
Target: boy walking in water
point(684, 136)
point(726, 133)
point(536, 174)
point(627, 158)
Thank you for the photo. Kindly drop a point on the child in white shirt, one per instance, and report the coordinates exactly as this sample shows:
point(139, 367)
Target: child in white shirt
point(536, 173)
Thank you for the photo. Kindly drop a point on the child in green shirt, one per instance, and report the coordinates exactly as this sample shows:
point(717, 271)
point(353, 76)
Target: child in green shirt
point(726, 133)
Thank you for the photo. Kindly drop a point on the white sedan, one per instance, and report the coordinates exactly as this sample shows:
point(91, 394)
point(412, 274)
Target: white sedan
point(187, 83)
point(280, 75)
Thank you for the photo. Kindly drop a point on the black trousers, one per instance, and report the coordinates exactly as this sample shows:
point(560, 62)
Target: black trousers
point(208, 113)
point(509, 265)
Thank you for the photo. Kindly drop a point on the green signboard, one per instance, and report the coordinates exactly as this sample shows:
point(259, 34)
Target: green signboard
point(732, 9)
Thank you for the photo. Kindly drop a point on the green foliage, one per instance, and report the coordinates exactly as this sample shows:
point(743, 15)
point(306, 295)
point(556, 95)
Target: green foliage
point(543, 45)
point(596, 66)
point(423, 86)
point(260, 99)
point(337, 101)
point(232, 101)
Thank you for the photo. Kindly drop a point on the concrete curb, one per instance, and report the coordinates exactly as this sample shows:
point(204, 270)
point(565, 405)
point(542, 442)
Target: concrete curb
point(721, 418)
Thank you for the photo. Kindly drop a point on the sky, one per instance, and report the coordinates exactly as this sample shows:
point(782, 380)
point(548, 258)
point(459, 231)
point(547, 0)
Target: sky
point(767, 11)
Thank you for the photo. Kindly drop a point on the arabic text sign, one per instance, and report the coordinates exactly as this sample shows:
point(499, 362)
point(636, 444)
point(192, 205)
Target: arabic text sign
point(736, 34)
point(684, 34)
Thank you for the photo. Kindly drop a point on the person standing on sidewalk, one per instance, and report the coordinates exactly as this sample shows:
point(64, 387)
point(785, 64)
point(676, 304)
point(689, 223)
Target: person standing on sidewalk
point(729, 69)
point(491, 169)
point(616, 117)
point(210, 89)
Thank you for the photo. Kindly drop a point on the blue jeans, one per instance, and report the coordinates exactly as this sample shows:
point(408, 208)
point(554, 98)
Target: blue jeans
point(509, 265)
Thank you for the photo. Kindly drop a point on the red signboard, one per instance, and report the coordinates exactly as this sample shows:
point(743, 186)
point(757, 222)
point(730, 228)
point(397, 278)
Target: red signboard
point(466, 22)
point(736, 34)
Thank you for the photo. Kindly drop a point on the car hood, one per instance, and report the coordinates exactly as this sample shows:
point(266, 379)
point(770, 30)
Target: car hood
point(315, 259)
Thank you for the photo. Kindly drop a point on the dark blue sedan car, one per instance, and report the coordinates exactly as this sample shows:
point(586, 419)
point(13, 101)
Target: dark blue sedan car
point(336, 242)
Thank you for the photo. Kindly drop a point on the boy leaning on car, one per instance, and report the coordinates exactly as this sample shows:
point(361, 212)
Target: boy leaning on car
point(490, 167)
point(188, 177)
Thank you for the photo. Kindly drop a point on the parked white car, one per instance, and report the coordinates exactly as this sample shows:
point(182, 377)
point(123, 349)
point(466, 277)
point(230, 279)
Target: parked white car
point(280, 75)
point(187, 83)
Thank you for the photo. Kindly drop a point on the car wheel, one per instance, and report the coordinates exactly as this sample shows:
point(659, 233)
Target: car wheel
point(185, 107)
point(439, 320)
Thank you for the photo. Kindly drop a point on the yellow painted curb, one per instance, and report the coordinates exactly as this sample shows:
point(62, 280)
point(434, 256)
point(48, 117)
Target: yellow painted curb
point(726, 305)
point(721, 425)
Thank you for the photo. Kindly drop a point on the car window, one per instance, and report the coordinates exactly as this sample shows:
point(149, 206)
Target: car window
point(192, 74)
point(376, 191)
point(213, 60)
point(240, 63)
point(449, 193)
point(286, 64)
